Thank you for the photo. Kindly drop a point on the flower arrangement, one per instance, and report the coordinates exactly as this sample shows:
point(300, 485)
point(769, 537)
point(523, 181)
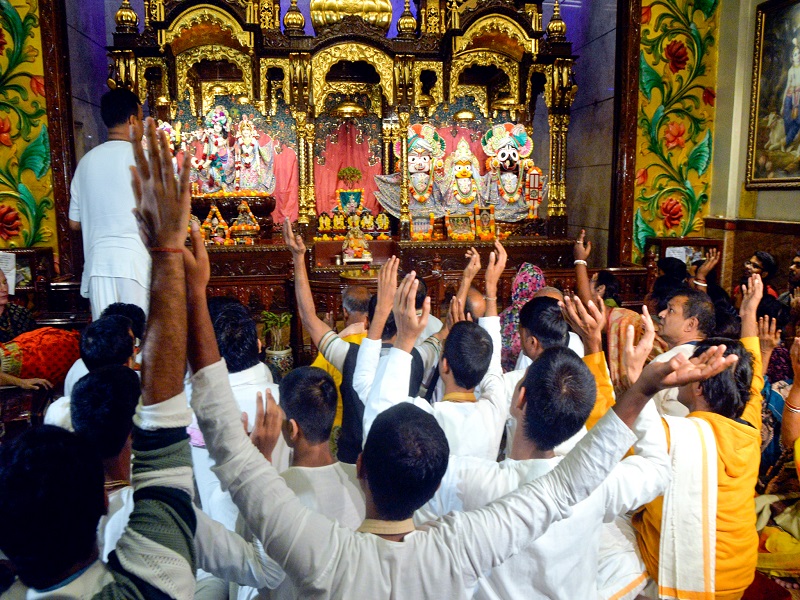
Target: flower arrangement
point(350, 176)
point(275, 323)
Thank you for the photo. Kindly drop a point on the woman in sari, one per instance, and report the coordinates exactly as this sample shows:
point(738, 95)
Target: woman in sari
point(528, 281)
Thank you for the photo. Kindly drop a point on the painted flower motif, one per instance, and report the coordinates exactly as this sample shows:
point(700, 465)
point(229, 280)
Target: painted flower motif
point(672, 211)
point(37, 85)
point(10, 223)
point(674, 135)
point(5, 131)
point(677, 55)
point(3, 42)
point(709, 96)
point(646, 14)
point(29, 54)
point(641, 177)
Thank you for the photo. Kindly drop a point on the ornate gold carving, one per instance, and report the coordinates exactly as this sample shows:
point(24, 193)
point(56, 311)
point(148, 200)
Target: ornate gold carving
point(124, 72)
point(559, 88)
point(405, 218)
point(270, 100)
point(477, 92)
point(404, 79)
point(205, 13)
point(433, 18)
point(210, 89)
point(326, 58)
point(268, 17)
point(300, 79)
point(556, 205)
point(152, 61)
point(482, 57)
point(328, 12)
point(372, 91)
point(437, 91)
point(153, 11)
point(185, 60)
point(494, 24)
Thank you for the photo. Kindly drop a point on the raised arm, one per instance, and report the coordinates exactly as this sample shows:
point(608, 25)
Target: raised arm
point(302, 288)
point(494, 270)
point(790, 426)
point(580, 252)
point(470, 271)
point(699, 282)
point(752, 293)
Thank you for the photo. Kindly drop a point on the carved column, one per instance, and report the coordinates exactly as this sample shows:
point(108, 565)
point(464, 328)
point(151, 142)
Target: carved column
point(300, 129)
point(311, 201)
point(405, 218)
point(559, 92)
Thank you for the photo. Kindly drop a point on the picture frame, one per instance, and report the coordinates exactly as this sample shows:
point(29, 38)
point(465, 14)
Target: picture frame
point(422, 227)
point(460, 227)
point(484, 223)
point(773, 145)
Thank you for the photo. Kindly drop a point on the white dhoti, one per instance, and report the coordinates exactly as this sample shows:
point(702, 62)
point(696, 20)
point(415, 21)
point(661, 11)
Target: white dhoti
point(108, 290)
point(621, 572)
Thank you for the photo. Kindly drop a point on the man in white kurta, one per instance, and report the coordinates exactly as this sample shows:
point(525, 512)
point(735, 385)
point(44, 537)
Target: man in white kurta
point(117, 265)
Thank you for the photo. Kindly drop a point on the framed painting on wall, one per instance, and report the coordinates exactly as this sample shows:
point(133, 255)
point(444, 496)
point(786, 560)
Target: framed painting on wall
point(773, 148)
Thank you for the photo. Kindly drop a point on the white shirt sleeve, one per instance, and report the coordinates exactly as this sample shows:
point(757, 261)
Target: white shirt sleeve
point(492, 388)
point(644, 476)
point(369, 355)
point(334, 349)
point(74, 198)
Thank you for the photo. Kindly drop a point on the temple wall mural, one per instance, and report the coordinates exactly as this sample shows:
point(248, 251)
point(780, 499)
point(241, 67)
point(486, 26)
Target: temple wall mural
point(677, 85)
point(26, 202)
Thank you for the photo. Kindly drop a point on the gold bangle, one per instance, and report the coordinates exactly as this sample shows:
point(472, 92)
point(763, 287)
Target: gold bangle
point(487, 298)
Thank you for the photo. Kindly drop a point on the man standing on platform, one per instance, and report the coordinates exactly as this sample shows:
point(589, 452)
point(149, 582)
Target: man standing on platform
point(117, 267)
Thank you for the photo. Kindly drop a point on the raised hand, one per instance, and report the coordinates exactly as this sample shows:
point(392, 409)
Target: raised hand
point(497, 264)
point(712, 258)
point(634, 358)
point(588, 321)
point(752, 293)
point(473, 266)
point(582, 248)
point(409, 324)
point(387, 290)
point(267, 426)
point(163, 203)
point(293, 241)
point(794, 354)
point(681, 370)
point(196, 264)
point(769, 336)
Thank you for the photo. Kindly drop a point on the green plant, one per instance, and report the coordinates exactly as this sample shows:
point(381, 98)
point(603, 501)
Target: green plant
point(275, 323)
point(349, 175)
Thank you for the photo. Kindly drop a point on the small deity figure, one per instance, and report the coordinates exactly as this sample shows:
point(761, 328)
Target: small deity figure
point(382, 223)
point(245, 224)
point(355, 247)
point(214, 168)
point(339, 224)
point(174, 135)
point(507, 184)
point(253, 162)
point(367, 223)
point(215, 228)
point(425, 173)
point(463, 177)
point(324, 223)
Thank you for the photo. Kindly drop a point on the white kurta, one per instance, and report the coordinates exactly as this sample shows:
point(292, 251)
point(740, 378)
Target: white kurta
point(562, 563)
point(101, 199)
point(472, 428)
point(667, 400)
point(445, 560)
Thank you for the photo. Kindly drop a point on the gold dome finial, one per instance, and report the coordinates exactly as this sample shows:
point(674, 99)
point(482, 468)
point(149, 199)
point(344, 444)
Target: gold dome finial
point(557, 28)
point(328, 12)
point(293, 21)
point(406, 24)
point(126, 18)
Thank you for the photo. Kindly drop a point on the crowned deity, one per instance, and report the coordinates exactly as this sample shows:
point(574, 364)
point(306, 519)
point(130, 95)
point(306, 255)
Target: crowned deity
point(511, 175)
point(253, 162)
point(425, 175)
point(213, 169)
point(463, 179)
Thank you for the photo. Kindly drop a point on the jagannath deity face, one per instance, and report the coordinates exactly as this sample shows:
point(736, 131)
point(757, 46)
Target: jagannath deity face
point(508, 157)
point(419, 163)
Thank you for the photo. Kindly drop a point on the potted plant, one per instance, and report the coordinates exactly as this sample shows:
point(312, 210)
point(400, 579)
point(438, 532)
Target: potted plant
point(349, 198)
point(350, 176)
point(278, 352)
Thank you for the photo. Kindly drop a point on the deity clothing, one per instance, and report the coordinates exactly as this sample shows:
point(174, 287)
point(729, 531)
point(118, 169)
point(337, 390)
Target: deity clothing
point(215, 501)
point(332, 491)
point(444, 560)
point(738, 452)
point(101, 200)
point(344, 356)
point(161, 465)
point(14, 321)
point(528, 280)
point(46, 353)
point(562, 563)
point(667, 400)
point(473, 428)
point(322, 363)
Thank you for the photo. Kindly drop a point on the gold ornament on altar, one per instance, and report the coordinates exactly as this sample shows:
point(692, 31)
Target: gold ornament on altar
point(126, 18)
point(374, 12)
point(355, 248)
point(215, 228)
point(245, 226)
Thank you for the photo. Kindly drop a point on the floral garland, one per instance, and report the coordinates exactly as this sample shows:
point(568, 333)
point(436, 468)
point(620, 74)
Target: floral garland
point(513, 198)
point(425, 195)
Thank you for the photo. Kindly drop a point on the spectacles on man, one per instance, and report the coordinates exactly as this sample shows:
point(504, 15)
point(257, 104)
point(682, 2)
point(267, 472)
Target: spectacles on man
point(749, 263)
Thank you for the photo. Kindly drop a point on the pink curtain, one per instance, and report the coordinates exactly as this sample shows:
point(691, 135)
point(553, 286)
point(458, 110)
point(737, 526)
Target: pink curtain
point(287, 185)
point(345, 153)
point(452, 141)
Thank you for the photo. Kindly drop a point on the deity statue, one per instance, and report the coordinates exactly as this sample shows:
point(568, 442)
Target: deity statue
point(245, 224)
point(213, 169)
point(253, 162)
point(511, 174)
point(463, 179)
point(425, 174)
point(215, 228)
point(355, 247)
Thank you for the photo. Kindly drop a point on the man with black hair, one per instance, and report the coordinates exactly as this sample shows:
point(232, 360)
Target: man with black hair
point(472, 422)
point(107, 341)
point(764, 265)
point(551, 403)
point(794, 280)
point(52, 479)
point(117, 265)
point(715, 455)
point(688, 319)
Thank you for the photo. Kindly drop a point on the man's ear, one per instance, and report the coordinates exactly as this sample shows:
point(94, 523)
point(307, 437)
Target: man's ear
point(691, 324)
point(601, 290)
point(291, 432)
point(445, 368)
point(696, 389)
point(521, 399)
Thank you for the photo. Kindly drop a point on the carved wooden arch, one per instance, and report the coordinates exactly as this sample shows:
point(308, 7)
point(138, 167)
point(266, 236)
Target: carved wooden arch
point(185, 60)
point(203, 13)
point(501, 24)
point(323, 60)
point(482, 57)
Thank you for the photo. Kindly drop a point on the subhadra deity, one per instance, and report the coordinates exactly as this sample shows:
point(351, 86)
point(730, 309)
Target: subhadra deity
point(511, 176)
point(253, 162)
point(425, 175)
point(214, 168)
point(463, 177)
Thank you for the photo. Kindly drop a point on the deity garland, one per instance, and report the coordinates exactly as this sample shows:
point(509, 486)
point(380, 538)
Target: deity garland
point(463, 178)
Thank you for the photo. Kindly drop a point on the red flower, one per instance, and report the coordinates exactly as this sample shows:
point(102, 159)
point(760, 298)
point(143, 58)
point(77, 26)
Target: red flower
point(672, 211)
point(646, 13)
point(641, 177)
point(709, 96)
point(674, 135)
point(10, 223)
point(3, 42)
point(5, 131)
point(37, 85)
point(676, 54)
